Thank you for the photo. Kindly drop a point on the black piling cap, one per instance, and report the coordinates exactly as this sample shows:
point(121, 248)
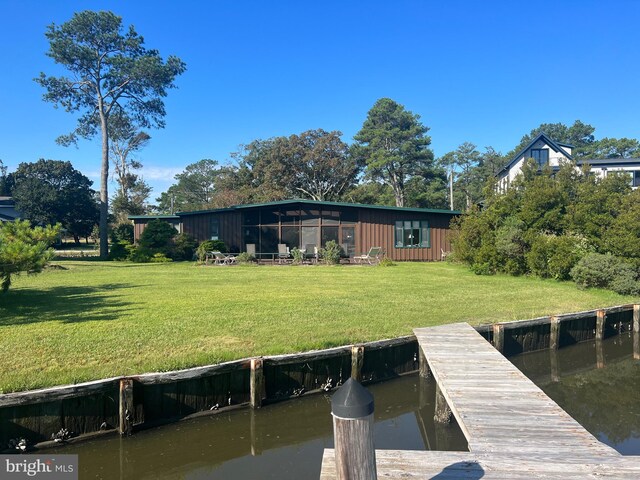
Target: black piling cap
point(352, 400)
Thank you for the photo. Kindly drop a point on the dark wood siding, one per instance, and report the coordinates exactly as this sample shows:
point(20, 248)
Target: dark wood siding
point(376, 229)
point(199, 226)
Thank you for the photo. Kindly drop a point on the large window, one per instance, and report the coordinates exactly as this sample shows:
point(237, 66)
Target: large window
point(541, 156)
point(636, 179)
point(214, 228)
point(412, 234)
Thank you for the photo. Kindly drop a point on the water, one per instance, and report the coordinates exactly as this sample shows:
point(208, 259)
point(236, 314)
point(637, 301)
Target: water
point(597, 383)
point(281, 441)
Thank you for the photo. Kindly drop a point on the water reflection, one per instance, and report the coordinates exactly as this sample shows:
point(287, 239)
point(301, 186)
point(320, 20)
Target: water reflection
point(283, 441)
point(597, 383)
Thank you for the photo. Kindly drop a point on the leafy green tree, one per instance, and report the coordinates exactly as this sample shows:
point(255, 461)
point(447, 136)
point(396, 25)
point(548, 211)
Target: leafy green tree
point(393, 146)
point(613, 148)
point(111, 73)
point(461, 165)
point(5, 188)
point(622, 237)
point(52, 191)
point(580, 135)
point(195, 189)
point(320, 164)
point(157, 237)
point(132, 191)
point(371, 193)
point(24, 249)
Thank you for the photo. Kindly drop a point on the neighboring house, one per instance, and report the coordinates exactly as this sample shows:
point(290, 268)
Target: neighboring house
point(545, 151)
point(404, 233)
point(8, 211)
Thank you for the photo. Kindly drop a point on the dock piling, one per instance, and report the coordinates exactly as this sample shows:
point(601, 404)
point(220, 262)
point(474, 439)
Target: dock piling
point(352, 411)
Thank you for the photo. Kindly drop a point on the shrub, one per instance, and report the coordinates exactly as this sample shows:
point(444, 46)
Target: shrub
point(298, 255)
point(210, 246)
point(386, 262)
point(157, 237)
point(245, 258)
point(118, 250)
point(605, 271)
point(331, 253)
point(184, 247)
point(140, 255)
point(160, 258)
point(122, 233)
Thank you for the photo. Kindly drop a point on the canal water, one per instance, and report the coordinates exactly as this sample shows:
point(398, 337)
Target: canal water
point(280, 441)
point(597, 383)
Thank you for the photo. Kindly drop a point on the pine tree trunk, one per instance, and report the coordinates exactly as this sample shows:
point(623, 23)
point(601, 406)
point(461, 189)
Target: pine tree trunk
point(104, 193)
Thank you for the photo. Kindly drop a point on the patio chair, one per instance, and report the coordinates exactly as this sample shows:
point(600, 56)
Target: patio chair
point(251, 249)
point(311, 252)
point(283, 253)
point(443, 254)
point(223, 258)
point(373, 256)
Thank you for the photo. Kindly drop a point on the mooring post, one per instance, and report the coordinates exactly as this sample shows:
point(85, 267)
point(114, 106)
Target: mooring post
point(599, 353)
point(636, 319)
point(601, 317)
point(425, 372)
point(357, 360)
point(498, 337)
point(553, 362)
point(125, 426)
point(352, 410)
point(442, 413)
point(554, 336)
point(256, 383)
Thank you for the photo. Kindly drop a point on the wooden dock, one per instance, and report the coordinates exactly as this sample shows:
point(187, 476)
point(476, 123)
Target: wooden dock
point(512, 428)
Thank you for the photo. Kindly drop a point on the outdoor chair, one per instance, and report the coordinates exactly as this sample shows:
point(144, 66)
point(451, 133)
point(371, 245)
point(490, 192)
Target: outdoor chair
point(311, 252)
point(223, 259)
point(283, 253)
point(251, 249)
point(443, 254)
point(373, 256)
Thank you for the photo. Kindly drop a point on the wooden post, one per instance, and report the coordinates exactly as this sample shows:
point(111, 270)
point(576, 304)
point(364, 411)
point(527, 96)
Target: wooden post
point(555, 371)
point(601, 316)
point(498, 337)
point(636, 319)
point(256, 383)
point(352, 410)
point(425, 372)
point(636, 346)
point(126, 406)
point(599, 354)
point(442, 412)
point(554, 337)
point(357, 360)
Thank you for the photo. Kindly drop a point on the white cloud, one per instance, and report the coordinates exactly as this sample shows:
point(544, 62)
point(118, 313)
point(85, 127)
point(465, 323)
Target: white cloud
point(166, 174)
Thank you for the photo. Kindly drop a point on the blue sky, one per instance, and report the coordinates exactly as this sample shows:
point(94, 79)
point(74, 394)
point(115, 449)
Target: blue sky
point(484, 72)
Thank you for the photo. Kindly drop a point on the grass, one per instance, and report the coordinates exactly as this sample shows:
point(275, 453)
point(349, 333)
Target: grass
point(99, 319)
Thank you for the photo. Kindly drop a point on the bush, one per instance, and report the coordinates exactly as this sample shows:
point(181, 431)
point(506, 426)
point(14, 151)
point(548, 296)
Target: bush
point(184, 247)
point(245, 258)
point(298, 255)
point(157, 237)
point(331, 253)
point(118, 250)
point(122, 233)
point(140, 255)
point(386, 262)
point(605, 271)
point(210, 246)
point(160, 258)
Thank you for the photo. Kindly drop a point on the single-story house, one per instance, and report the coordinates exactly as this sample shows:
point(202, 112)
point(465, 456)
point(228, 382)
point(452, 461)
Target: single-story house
point(545, 151)
point(8, 212)
point(417, 234)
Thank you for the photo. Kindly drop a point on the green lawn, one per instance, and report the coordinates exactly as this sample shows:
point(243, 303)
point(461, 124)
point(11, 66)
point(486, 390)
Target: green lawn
point(95, 320)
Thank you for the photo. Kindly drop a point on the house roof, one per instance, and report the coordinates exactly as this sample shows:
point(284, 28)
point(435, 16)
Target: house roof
point(151, 217)
point(321, 204)
point(609, 162)
point(294, 201)
point(555, 146)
